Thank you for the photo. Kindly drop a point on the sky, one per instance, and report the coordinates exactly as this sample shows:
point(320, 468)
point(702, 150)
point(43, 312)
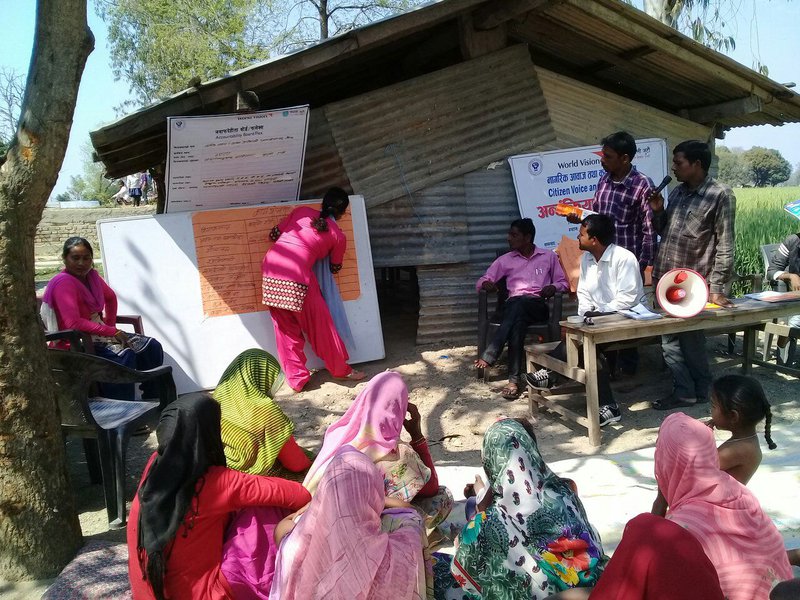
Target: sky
point(767, 33)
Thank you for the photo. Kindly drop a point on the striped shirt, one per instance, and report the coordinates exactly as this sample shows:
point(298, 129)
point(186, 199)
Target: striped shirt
point(786, 258)
point(626, 202)
point(696, 232)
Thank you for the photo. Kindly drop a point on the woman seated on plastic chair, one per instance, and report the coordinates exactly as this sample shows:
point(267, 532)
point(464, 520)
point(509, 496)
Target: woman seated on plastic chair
point(78, 298)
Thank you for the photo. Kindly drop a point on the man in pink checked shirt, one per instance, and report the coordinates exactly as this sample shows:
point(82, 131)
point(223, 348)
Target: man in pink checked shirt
point(532, 275)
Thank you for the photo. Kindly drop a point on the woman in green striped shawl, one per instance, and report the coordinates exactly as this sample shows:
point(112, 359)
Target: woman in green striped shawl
point(255, 431)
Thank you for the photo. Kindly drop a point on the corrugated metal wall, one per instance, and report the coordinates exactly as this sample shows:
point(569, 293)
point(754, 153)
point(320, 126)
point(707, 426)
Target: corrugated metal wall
point(322, 167)
point(448, 301)
point(428, 228)
point(433, 128)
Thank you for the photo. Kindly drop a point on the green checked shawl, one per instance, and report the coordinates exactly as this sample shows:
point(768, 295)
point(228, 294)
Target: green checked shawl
point(254, 428)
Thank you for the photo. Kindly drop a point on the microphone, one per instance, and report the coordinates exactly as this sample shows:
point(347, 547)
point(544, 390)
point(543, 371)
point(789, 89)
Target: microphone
point(662, 185)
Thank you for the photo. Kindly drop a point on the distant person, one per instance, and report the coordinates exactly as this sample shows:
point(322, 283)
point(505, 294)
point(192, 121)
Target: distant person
point(696, 230)
point(532, 276)
point(122, 196)
point(147, 186)
point(610, 280)
point(784, 265)
point(134, 183)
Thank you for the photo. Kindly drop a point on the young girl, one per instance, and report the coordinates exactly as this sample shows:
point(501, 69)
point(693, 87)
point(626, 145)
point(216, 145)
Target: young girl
point(738, 404)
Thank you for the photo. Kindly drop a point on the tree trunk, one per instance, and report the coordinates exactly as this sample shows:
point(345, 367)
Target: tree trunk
point(39, 529)
point(323, 19)
point(663, 10)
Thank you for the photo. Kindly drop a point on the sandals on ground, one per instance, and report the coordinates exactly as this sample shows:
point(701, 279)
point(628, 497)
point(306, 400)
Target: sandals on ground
point(511, 391)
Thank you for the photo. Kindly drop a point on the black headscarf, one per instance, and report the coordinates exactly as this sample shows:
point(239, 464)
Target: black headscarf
point(189, 442)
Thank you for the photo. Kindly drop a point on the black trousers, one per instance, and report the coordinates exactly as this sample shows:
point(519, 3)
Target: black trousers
point(518, 313)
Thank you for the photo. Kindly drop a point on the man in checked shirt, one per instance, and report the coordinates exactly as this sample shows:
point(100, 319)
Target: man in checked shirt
point(622, 194)
point(696, 232)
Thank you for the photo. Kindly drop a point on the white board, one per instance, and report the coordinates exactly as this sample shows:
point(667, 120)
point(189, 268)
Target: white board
point(543, 179)
point(222, 161)
point(151, 264)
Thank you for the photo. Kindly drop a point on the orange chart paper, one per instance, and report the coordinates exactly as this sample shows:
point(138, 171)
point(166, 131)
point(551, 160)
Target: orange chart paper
point(230, 246)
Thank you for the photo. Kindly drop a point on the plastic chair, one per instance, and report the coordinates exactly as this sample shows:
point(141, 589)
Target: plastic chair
point(488, 324)
point(108, 421)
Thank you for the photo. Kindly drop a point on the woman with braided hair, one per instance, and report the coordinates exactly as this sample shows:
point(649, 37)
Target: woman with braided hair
point(292, 292)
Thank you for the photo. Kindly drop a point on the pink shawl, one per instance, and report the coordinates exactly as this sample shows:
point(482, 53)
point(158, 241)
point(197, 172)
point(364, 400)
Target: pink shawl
point(739, 538)
point(337, 550)
point(91, 296)
point(372, 424)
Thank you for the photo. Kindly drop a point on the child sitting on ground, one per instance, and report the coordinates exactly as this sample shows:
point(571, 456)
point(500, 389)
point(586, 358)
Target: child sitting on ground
point(738, 405)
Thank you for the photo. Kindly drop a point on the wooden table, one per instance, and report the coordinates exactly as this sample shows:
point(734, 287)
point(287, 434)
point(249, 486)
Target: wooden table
point(748, 316)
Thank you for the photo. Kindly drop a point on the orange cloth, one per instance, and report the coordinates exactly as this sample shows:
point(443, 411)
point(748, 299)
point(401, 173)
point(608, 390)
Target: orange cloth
point(569, 253)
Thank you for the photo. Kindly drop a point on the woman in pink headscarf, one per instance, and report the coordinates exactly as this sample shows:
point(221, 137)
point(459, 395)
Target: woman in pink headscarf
point(339, 549)
point(738, 537)
point(372, 425)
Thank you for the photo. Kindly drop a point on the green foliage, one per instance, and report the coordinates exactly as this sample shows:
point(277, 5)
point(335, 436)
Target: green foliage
point(92, 183)
point(158, 46)
point(760, 219)
point(732, 169)
point(766, 166)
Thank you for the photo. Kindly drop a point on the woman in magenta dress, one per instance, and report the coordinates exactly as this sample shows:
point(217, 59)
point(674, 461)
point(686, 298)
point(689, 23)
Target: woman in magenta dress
point(292, 292)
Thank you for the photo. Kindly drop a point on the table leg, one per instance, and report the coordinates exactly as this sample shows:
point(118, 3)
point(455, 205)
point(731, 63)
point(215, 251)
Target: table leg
point(749, 350)
point(533, 405)
point(592, 395)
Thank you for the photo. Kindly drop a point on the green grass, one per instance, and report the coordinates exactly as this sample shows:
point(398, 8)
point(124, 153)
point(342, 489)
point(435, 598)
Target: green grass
point(760, 219)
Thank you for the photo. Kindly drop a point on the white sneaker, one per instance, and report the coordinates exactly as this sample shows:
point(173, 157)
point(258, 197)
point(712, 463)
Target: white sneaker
point(609, 414)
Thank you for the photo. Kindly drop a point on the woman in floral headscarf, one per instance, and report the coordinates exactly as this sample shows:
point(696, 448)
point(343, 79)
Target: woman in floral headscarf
point(533, 538)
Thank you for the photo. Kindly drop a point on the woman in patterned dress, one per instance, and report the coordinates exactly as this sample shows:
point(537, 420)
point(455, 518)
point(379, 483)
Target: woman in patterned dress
point(531, 537)
point(292, 292)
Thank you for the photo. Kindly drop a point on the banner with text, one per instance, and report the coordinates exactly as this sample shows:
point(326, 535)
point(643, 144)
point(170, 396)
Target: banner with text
point(225, 161)
point(543, 179)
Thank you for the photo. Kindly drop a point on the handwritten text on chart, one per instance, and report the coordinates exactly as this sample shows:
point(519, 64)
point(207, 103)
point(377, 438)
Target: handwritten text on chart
point(230, 246)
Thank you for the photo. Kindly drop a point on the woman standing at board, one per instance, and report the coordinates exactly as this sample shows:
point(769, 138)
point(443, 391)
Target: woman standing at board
point(292, 292)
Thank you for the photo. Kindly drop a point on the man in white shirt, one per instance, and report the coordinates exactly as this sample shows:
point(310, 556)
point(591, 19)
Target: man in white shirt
point(610, 277)
point(610, 280)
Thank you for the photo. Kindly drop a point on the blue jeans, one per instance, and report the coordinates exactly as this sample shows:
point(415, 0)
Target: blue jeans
point(685, 355)
point(518, 313)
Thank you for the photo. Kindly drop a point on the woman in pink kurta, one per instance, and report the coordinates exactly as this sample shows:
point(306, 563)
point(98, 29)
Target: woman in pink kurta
point(292, 292)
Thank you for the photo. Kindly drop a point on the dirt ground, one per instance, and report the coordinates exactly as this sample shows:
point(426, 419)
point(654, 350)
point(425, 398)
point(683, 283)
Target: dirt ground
point(456, 408)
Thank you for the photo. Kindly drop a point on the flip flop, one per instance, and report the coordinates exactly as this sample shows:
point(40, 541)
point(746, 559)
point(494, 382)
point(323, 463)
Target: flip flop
point(670, 402)
point(509, 392)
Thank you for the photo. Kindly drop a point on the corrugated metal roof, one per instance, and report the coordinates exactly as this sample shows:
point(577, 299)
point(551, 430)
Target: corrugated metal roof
point(583, 115)
point(410, 135)
point(606, 43)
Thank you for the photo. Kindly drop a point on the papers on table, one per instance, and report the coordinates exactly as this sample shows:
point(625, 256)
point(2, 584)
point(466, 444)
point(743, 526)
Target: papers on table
point(771, 296)
point(640, 312)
